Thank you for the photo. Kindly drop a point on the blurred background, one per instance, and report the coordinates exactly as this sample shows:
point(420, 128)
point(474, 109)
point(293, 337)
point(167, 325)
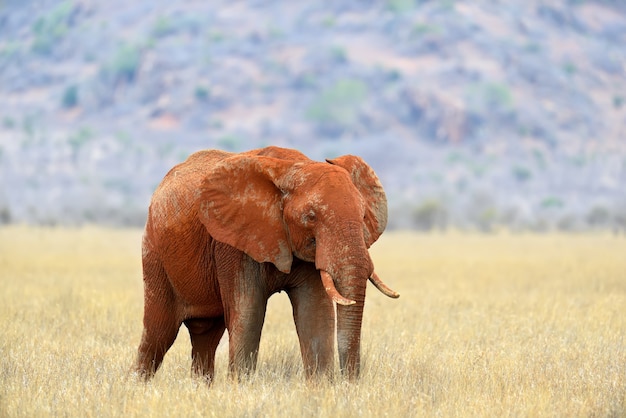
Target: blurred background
point(475, 114)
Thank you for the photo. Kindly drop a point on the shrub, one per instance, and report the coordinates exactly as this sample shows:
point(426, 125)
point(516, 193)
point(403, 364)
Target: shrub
point(567, 223)
point(569, 68)
point(5, 215)
point(491, 96)
point(9, 51)
point(49, 29)
point(521, 174)
point(70, 97)
point(429, 215)
point(532, 47)
point(201, 93)
point(482, 211)
point(552, 202)
point(338, 55)
point(498, 94)
point(8, 122)
point(124, 64)
point(421, 29)
point(230, 143)
point(29, 126)
point(329, 21)
point(79, 139)
point(337, 107)
point(598, 216)
point(401, 6)
point(163, 27)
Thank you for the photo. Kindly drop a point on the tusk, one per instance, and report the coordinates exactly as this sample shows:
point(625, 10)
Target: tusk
point(329, 286)
point(376, 281)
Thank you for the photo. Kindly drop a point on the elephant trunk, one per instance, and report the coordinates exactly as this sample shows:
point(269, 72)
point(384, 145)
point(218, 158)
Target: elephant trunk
point(345, 269)
point(349, 319)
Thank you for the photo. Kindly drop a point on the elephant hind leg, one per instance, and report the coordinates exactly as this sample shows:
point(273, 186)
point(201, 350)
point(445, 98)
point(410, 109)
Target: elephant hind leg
point(155, 341)
point(205, 335)
point(160, 321)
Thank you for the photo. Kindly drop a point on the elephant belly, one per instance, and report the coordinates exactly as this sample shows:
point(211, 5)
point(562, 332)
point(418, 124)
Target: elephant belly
point(197, 292)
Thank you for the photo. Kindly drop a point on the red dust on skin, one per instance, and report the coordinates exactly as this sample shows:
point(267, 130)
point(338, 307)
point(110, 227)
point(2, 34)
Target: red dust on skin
point(225, 231)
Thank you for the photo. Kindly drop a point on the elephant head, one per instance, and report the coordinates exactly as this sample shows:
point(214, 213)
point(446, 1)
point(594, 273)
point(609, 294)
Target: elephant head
point(328, 213)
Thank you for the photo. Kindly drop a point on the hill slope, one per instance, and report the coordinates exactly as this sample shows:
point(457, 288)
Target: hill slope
point(473, 113)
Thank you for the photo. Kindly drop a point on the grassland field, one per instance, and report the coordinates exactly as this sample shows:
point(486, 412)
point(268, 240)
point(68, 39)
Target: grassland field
point(487, 325)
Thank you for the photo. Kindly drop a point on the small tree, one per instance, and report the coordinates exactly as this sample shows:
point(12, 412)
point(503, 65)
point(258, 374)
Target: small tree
point(429, 215)
point(70, 97)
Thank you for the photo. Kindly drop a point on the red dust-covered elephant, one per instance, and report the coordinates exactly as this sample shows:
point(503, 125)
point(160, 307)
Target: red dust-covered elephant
point(225, 231)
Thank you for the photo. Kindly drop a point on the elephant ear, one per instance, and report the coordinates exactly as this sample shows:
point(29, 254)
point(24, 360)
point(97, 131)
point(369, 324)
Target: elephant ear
point(241, 206)
point(372, 191)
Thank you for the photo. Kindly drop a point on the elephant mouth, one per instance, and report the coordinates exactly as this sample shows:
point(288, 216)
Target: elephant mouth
point(329, 286)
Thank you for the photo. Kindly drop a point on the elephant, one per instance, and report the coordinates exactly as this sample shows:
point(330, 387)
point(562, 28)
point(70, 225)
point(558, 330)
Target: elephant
point(226, 230)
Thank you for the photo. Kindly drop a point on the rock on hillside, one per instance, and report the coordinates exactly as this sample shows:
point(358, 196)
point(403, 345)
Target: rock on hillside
point(475, 113)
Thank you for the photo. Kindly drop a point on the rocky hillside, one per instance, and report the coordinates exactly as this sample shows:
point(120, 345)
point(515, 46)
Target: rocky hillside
point(474, 113)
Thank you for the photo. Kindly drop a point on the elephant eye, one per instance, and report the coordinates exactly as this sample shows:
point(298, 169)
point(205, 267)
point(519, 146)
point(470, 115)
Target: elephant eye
point(312, 242)
point(309, 217)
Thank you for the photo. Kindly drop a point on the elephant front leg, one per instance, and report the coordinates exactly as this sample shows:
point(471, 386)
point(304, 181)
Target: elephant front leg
point(314, 316)
point(244, 298)
point(245, 323)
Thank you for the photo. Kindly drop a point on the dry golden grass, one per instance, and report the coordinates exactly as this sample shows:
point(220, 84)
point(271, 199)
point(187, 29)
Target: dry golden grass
point(486, 326)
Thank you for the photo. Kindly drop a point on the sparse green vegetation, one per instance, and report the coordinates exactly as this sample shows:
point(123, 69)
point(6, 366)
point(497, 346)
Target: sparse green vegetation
point(401, 6)
point(29, 126)
point(70, 96)
point(8, 122)
point(402, 83)
point(482, 211)
point(201, 93)
point(166, 150)
point(540, 159)
point(9, 51)
point(124, 64)
point(569, 68)
point(215, 35)
point(339, 54)
point(163, 26)
point(230, 143)
point(552, 202)
point(51, 28)
point(521, 174)
point(491, 96)
point(337, 107)
point(275, 32)
point(329, 21)
point(598, 216)
point(80, 138)
point(393, 75)
point(533, 47)
point(421, 29)
point(430, 215)
point(5, 215)
point(166, 25)
point(124, 138)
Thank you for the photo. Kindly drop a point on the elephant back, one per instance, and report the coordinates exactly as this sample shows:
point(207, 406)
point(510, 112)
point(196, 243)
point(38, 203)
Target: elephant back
point(174, 202)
